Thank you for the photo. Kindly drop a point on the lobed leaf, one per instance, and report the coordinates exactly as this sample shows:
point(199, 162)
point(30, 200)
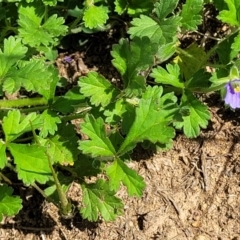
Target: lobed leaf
point(165, 51)
point(67, 103)
point(31, 163)
point(115, 111)
point(95, 16)
point(33, 76)
point(63, 146)
point(191, 14)
point(169, 76)
point(14, 125)
point(198, 115)
point(225, 50)
point(99, 143)
point(133, 8)
point(119, 172)
point(100, 90)
point(231, 16)
point(164, 8)
point(191, 60)
point(50, 2)
point(199, 82)
point(9, 205)
point(97, 198)
point(50, 121)
point(162, 30)
point(86, 166)
point(235, 47)
point(130, 58)
point(146, 27)
point(13, 51)
point(34, 32)
point(153, 115)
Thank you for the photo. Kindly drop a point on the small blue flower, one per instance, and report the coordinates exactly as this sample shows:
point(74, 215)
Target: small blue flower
point(232, 97)
point(67, 59)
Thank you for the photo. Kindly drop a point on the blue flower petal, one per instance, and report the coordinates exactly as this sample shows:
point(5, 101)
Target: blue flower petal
point(232, 97)
point(67, 59)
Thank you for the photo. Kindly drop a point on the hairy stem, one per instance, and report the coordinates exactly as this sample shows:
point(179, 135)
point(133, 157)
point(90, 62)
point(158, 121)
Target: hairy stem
point(66, 208)
point(24, 102)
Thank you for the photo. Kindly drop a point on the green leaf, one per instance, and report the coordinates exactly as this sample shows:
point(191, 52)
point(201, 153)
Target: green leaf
point(3, 157)
point(231, 16)
point(68, 102)
point(54, 27)
point(50, 53)
point(199, 82)
point(169, 76)
point(100, 90)
point(86, 166)
point(153, 115)
point(220, 78)
point(14, 125)
point(235, 48)
point(165, 51)
point(99, 143)
point(224, 49)
point(34, 32)
point(63, 146)
point(130, 58)
point(129, 115)
point(75, 12)
point(133, 7)
point(119, 172)
point(62, 150)
point(164, 8)
point(198, 117)
point(31, 163)
point(9, 205)
point(12, 52)
point(50, 121)
point(50, 2)
point(190, 60)
point(162, 30)
point(191, 14)
point(220, 4)
point(97, 198)
point(49, 93)
point(120, 6)
point(146, 26)
point(115, 111)
point(33, 76)
point(135, 55)
point(95, 16)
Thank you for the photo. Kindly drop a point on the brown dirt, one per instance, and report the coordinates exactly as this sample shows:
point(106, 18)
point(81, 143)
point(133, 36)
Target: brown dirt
point(193, 190)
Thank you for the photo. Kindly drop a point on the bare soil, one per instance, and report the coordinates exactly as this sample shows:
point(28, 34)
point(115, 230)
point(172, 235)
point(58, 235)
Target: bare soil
point(193, 190)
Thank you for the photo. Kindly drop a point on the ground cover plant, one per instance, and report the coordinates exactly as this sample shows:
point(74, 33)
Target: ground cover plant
point(161, 83)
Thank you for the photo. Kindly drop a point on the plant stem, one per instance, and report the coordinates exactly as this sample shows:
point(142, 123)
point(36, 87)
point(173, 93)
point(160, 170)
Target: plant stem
point(40, 191)
point(66, 208)
point(24, 102)
point(46, 13)
point(78, 115)
point(6, 179)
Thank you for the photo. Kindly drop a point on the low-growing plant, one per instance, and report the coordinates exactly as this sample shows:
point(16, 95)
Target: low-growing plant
point(160, 85)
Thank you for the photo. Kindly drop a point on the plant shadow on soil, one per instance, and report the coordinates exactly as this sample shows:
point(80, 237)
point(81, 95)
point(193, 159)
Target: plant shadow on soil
point(38, 216)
